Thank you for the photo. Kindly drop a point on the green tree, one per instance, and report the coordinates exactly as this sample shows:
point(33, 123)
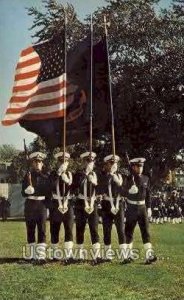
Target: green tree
point(50, 22)
point(8, 152)
point(20, 163)
point(147, 62)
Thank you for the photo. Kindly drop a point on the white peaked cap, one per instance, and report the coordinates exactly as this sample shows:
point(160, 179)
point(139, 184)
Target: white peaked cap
point(174, 191)
point(37, 155)
point(61, 154)
point(112, 157)
point(137, 160)
point(92, 155)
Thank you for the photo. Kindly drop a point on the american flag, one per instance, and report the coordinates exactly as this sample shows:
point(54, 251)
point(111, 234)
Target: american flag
point(37, 103)
point(40, 84)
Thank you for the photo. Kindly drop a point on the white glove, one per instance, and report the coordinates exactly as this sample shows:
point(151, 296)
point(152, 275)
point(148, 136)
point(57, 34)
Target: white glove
point(100, 197)
point(67, 178)
point(117, 179)
point(133, 189)
point(149, 213)
point(62, 168)
point(89, 167)
point(92, 178)
point(29, 190)
point(114, 168)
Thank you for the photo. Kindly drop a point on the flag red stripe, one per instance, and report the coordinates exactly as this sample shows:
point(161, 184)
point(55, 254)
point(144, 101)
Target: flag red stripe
point(28, 62)
point(44, 90)
point(49, 89)
point(36, 104)
point(27, 51)
point(35, 117)
point(25, 87)
point(26, 75)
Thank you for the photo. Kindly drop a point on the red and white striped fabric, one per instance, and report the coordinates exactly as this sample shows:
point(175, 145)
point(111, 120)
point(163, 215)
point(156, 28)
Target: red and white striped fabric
point(34, 99)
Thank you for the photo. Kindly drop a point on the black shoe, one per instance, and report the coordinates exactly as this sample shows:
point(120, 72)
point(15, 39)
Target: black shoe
point(28, 261)
point(69, 261)
point(40, 262)
point(107, 260)
point(55, 259)
point(23, 261)
point(150, 260)
point(80, 261)
point(97, 261)
point(126, 261)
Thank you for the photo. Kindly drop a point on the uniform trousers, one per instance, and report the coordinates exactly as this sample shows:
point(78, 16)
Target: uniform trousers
point(56, 218)
point(81, 217)
point(35, 213)
point(107, 221)
point(137, 214)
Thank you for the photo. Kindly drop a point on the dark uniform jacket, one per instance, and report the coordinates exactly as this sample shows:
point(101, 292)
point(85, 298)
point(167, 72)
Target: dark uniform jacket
point(104, 180)
point(40, 183)
point(53, 183)
point(156, 203)
point(63, 187)
point(174, 207)
point(143, 184)
point(78, 188)
point(78, 184)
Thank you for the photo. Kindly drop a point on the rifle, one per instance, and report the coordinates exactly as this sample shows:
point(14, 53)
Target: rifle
point(27, 164)
point(132, 176)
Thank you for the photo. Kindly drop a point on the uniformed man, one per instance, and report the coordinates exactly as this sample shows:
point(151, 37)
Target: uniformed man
point(174, 208)
point(61, 210)
point(163, 208)
point(156, 208)
point(182, 205)
point(86, 209)
point(5, 208)
point(137, 191)
point(110, 183)
point(35, 187)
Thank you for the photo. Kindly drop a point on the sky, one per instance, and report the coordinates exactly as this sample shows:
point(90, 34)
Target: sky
point(15, 36)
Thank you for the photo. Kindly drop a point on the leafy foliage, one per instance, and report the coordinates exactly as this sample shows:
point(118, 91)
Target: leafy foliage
point(7, 152)
point(147, 62)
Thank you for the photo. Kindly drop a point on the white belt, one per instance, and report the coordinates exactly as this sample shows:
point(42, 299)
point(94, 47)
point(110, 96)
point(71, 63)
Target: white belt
point(36, 197)
point(106, 198)
point(89, 202)
point(56, 197)
point(142, 202)
point(62, 207)
point(114, 208)
point(155, 208)
point(82, 197)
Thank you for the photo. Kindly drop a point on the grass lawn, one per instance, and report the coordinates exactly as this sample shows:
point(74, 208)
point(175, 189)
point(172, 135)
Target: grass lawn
point(164, 280)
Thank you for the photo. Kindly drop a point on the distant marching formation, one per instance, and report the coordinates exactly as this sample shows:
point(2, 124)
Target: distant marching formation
point(167, 208)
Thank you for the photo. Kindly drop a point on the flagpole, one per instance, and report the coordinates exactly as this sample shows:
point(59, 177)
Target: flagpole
point(110, 90)
point(65, 93)
point(91, 90)
point(91, 104)
point(65, 87)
